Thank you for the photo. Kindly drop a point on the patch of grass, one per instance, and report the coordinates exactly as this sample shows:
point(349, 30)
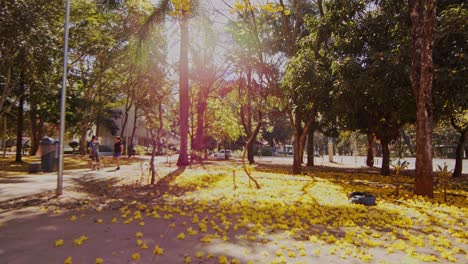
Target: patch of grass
point(9, 167)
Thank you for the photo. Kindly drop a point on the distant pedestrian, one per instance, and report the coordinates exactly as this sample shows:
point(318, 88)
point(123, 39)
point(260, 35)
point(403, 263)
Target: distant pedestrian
point(94, 150)
point(118, 149)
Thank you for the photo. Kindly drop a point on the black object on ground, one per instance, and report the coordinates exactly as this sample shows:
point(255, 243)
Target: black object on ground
point(364, 198)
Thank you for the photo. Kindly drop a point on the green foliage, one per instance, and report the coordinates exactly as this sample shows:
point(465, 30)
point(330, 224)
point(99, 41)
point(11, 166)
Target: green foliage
point(139, 150)
point(400, 166)
point(222, 119)
point(444, 175)
point(277, 128)
point(374, 91)
point(450, 61)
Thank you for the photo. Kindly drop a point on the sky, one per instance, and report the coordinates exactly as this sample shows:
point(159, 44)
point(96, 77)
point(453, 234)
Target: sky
point(219, 14)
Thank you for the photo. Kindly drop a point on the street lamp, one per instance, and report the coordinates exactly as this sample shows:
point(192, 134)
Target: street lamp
point(63, 101)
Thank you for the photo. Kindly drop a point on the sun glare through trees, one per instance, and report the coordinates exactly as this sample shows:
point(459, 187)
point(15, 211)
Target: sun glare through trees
point(234, 131)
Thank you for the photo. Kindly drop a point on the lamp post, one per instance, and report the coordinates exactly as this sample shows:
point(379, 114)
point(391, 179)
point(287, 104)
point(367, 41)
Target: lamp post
point(63, 101)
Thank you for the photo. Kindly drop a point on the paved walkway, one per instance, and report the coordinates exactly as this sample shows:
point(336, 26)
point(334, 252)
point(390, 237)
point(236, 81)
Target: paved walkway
point(25, 185)
point(30, 184)
point(360, 161)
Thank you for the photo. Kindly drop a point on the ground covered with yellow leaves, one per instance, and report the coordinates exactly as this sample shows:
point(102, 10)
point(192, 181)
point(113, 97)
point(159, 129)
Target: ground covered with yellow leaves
point(194, 215)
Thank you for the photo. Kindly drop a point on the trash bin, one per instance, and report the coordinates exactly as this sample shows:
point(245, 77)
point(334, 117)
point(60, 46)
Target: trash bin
point(49, 154)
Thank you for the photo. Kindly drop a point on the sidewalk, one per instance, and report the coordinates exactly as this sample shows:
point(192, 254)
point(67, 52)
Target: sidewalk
point(30, 184)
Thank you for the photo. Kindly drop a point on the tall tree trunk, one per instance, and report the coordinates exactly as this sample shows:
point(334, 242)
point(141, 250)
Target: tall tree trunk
point(19, 128)
point(156, 140)
point(423, 16)
point(297, 159)
point(310, 148)
point(250, 151)
point(184, 100)
point(128, 106)
point(201, 107)
point(153, 154)
point(83, 141)
point(251, 141)
point(370, 150)
point(5, 89)
point(385, 170)
point(135, 117)
point(459, 155)
point(4, 135)
point(300, 133)
point(34, 128)
point(36, 136)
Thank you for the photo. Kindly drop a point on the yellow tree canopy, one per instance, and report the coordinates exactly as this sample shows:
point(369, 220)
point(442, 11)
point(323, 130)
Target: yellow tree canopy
point(182, 8)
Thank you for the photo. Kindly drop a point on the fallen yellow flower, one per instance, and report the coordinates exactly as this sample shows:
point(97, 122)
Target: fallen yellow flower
point(158, 250)
point(68, 260)
point(58, 242)
point(136, 256)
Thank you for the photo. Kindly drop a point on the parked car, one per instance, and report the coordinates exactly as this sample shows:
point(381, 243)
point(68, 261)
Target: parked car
point(221, 154)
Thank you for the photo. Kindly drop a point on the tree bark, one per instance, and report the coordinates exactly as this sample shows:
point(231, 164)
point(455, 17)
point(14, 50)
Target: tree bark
point(184, 100)
point(423, 16)
point(300, 133)
point(250, 145)
point(385, 170)
point(297, 160)
point(19, 127)
point(36, 135)
point(128, 106)
point(132, 138)
point(201, 107)
point(370, 151)
point(34, 128)
point(83, 141)
point(250, 151)
point(459, 154)
point(153, 154)
point(5, 89)
point(310, 148)
point(156, 139)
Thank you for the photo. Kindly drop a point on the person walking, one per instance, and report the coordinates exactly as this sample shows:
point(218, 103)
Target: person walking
point(94, 149)
point(118, 149)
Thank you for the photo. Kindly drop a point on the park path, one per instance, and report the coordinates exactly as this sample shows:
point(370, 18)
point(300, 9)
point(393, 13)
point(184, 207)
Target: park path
point(15, 187)
point(19, 186)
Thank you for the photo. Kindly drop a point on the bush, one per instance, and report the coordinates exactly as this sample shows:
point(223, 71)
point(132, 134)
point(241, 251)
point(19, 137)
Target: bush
point(266, 151)
point(139, 150)
point(105, 148)
point(73, 144)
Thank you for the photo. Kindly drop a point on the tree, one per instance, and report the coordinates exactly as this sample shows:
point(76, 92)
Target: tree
point(256, 68)
point(307, 85)
point(423, 17)
point(97, 42)
point(221, 117)
point(29, 63)
point(183, 11)
point(277, 128)
point(207, 77)
point(374, 90)
point(450, 82)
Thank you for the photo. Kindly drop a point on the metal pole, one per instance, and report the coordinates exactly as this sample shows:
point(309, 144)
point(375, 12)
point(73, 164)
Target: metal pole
point(62, 102)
